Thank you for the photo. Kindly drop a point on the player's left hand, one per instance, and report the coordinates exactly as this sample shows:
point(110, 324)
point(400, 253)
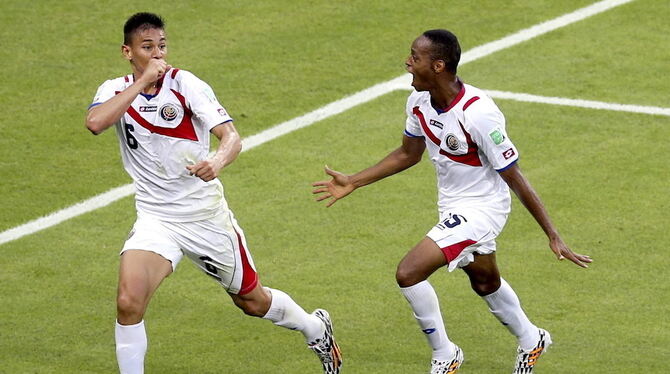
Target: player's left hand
point(562, 252)
point(206, 170)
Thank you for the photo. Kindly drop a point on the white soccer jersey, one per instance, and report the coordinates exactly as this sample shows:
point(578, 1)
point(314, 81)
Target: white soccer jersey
point(468, 145)
point(159, 135)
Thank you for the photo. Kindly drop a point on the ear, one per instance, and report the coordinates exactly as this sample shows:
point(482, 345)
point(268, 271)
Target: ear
point(438, 66)
point(127, 52)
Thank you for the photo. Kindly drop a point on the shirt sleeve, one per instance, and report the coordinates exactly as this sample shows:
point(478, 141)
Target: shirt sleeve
point(105, 92)
point(487, 129)
point(203, 102)
point(412, 125)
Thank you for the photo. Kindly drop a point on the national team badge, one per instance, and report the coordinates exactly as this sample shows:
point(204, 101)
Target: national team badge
point(497, 136)
point(452, 142)
point(169, 112)
point(509, 153)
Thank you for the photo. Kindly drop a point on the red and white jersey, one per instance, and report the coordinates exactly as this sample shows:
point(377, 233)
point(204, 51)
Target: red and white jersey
point(468, 145)
point(159, 135)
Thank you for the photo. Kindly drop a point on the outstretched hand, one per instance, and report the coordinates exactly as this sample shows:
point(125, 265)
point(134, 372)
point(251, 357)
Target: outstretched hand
point(562, 252)
point(336, 188)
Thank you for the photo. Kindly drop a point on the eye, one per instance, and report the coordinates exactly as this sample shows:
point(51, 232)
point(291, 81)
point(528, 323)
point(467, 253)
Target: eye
point(162, 47)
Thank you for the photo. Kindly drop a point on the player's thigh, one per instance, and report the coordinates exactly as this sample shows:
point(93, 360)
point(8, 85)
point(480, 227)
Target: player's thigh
point(419, 263)
point(140, 274)
point(218, 247)
point(148, 256)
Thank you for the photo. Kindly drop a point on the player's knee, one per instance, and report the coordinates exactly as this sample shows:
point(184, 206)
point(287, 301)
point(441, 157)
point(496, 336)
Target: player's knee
point(253, 308)
point(406, 277)
point(485, 286)
point(129, 307)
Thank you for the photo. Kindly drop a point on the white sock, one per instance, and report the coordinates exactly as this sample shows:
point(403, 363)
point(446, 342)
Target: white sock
point(287, 313)
point(505, 305)
point(131, 346)
point(423, 299)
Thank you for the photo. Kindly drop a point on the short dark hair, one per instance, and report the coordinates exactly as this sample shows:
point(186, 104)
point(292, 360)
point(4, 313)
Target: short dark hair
point(445, 47)
point(141, 21)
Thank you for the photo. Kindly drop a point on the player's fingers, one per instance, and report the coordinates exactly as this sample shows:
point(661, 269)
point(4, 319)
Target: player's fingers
point(320, 190)
point(323, 197)
point(320, 183)
point(330, 203)
point(576, 260)
point(331, 172)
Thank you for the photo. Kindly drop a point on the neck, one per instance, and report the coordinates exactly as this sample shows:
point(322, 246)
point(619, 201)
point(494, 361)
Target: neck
point(445, 92)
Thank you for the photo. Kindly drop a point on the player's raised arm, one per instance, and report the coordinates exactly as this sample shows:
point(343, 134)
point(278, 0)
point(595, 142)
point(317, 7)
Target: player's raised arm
point(531, 200)
point(103, 116)
point(341, 185)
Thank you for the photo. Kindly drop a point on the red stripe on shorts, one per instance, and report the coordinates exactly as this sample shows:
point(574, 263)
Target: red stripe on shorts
point(452, 251)
point(249, 276)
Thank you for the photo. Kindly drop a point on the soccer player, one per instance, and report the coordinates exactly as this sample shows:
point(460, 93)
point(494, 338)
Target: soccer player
point(476, 165)
point(163, 118)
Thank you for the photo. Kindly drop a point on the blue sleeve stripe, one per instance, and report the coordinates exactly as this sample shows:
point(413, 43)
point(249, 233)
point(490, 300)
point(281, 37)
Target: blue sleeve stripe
point(412, 135)
point(508, 166)
point(94, 104)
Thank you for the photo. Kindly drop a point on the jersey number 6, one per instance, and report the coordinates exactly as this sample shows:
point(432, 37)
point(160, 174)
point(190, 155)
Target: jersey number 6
point(130, 139)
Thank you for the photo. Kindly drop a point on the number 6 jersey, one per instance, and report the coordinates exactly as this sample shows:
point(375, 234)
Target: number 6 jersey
point(159, 135)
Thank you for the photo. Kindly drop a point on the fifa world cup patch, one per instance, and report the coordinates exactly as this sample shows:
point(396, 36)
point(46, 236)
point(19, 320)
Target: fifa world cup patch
point(497, 136)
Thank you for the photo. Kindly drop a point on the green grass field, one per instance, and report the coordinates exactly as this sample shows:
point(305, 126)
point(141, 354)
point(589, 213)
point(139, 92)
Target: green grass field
point(602, 175)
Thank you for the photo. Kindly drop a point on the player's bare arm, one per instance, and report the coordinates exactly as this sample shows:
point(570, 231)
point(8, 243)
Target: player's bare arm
point(103, 116)
point(229, 147)
point(341, 185)
point(531, 200)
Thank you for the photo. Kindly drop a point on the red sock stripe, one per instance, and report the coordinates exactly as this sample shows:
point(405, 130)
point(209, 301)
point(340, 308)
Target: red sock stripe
point(452, 251)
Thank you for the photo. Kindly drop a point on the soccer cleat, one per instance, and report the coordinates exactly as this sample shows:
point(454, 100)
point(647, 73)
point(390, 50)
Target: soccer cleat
point(326, 347)
point(526, 359)
point(448, 367)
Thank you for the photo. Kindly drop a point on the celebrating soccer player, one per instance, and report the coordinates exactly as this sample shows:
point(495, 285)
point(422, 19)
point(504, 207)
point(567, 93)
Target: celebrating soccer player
point(476, 164)
point(163, 118)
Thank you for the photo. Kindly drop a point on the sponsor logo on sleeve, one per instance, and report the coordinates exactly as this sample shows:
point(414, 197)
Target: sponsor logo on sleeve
point(222, 112)
point(497, 136)
point(509, 153)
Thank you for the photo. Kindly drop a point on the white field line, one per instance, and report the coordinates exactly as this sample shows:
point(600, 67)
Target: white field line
point(324, 112)
point(654, 110)
point(590, 104)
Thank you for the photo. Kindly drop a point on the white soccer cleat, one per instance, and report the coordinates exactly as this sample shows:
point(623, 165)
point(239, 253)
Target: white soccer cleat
point(448, 367)
point(526, 359)
point(326, 348)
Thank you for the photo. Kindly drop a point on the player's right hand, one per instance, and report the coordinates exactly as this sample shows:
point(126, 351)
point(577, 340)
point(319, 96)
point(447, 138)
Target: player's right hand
point(154, 71)
point(336, 188)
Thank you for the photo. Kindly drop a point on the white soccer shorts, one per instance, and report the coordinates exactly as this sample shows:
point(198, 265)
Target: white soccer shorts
point(216, 245)
point(462, 232)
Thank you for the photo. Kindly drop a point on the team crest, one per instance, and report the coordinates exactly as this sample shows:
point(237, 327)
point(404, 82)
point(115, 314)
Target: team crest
point(452, 142)
point(169, 112)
